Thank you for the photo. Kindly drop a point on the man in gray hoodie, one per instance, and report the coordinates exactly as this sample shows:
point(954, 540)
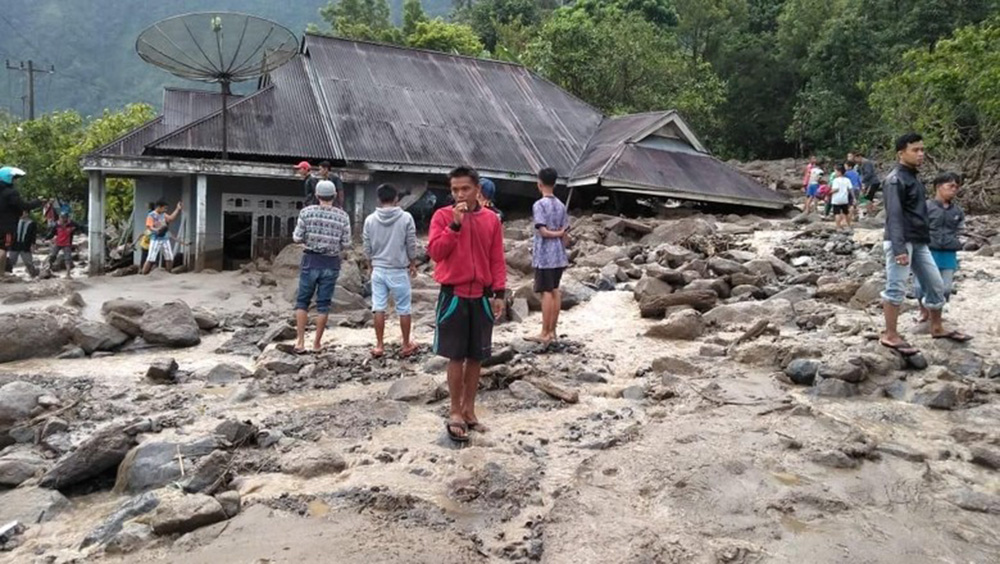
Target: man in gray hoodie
point(390, 242)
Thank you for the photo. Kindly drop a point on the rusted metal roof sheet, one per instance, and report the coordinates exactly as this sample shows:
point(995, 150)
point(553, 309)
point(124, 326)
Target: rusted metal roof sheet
point(401, 106)
point(686, 175)
point(279, 120)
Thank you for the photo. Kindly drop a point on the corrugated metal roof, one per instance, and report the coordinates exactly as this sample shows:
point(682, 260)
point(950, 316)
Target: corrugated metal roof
point(608, 138)
point(411, 107)
point(280, 120)
point(182, 106)
point(687, 175)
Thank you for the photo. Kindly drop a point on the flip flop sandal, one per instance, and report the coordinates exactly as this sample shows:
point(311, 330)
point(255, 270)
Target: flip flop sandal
point(956, 336)
point(448, 425)
point(478, 427)
point(903, 348)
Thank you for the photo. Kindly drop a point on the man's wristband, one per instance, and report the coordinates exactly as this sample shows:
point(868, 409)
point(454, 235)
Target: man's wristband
point(455, 226)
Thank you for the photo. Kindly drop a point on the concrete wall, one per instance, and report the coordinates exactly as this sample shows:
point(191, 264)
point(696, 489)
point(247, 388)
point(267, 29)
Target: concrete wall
point(149, 189)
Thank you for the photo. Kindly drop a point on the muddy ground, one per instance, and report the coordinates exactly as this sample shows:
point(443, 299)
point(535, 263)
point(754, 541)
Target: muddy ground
point(707, 458)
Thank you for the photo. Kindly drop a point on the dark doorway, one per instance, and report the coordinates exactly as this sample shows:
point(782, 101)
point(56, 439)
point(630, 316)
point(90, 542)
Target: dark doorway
point(237, 239)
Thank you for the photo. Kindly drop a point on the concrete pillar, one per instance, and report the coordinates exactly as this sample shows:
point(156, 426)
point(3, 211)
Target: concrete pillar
point(201, 221)
point(96, 222)
point(359, 211)
point(186, 230)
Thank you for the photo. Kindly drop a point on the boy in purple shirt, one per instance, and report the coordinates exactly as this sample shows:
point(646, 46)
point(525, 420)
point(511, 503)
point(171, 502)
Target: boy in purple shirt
point(549, 252)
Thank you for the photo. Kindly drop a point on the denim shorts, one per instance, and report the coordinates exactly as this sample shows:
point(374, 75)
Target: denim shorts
point(318, 281)
point(391, 281)
point(812, 190)
point(924, 269)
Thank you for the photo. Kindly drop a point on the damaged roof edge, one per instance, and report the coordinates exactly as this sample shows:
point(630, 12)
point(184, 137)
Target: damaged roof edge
point(635, 188)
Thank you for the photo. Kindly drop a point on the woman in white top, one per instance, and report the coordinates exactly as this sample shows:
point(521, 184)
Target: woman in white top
point(840, 197)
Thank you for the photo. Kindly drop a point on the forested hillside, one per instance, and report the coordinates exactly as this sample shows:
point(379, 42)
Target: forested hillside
point(91, 43)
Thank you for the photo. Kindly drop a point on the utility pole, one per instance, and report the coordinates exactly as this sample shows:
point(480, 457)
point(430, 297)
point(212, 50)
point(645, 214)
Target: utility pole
point(32, 71)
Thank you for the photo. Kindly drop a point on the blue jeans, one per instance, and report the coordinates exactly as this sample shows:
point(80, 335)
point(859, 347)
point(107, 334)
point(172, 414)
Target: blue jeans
point(947, 277)
point(395, 281)
point(924, 269)
point(318, 281)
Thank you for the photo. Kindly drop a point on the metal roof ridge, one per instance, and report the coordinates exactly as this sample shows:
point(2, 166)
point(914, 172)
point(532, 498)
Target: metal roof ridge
point(321, 104)
point(323, 36)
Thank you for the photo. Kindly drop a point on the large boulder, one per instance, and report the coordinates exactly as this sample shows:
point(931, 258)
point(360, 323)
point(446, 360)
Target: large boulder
point(19, 466)
point(744, 313)
point(573, 294)
point(103, 451)
point(725, 267)
point(172, 324)
point(519, 257)
point(128, 325)
point(605, 256)
point(701, 300)
point(649, 287)
point(841, 290)
point(413, 389)
point(17, 401)
point(686, 325)
point(128, 308)
point(180, 513)
point(676, 232)
point(31, 505)
point(672, 255)
point(225, 373)
point(31, 334)
point(93, 336)
point(152, 465)
point(762, 268)
point(350, 278)
point(869, 293)
point(288, 260)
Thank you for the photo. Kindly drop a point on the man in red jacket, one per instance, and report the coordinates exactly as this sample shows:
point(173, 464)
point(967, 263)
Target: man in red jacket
point(466, 245)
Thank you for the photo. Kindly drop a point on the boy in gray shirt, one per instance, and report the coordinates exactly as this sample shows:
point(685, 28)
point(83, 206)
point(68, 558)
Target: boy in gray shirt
point(390, 243)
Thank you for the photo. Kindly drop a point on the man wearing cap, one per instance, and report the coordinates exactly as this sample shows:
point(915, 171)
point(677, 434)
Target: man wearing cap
point(325, 231)
point(12, 206)
point(311, 179)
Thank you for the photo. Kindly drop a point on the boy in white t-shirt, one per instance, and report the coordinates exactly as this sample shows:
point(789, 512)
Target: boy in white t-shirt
point(840, 197)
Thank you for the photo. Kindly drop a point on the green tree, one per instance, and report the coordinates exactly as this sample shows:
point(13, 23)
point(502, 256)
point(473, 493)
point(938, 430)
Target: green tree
point(622, 63)
point(704, 25)
point(413, 13)
point(360, 19)
point(949, 95)
point(487, 15)
point(49, 150)
point(439, 35)
point(659, 12)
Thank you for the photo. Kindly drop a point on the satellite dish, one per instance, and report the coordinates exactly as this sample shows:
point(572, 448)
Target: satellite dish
point(218, 47)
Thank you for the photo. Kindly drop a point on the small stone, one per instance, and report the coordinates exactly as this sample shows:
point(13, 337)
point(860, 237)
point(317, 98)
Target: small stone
point(414, 389)
point(313, 461)
point(48, 401)
point(269, 437)
point(684, 325)
point(224, 373)
point(835, 388)
point(942, 395)
point(634, 393)
point(591, 378)
point(915, 361)
point(236, 432)
point(132, 537)
point(712, 351)
point(19, 466)
point(71, 353)
point(230, 501)
point(847, 370)
point(802, 371)
point(986, 457)
point(674, 365)
point(835, 459)
point(162, 371)
point(526, 392)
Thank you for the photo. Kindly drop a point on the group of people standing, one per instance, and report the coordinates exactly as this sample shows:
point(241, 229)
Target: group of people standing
point(851, 185)
point(19, 233)
point(466, 245)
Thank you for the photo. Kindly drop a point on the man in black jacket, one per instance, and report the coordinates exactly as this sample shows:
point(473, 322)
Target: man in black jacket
point(11, 208)
point(24, 241)
point(907, 236)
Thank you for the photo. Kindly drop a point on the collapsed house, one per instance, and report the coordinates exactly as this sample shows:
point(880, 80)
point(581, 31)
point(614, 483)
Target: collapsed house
point(383, 113)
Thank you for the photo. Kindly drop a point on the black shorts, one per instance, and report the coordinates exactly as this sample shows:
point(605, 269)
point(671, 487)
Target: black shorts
point(872, 191)
point(843, 209)
point(463, 328)
point(547, 279)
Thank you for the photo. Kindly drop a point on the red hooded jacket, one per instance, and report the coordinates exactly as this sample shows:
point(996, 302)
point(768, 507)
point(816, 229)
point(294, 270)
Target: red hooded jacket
point(472, 258)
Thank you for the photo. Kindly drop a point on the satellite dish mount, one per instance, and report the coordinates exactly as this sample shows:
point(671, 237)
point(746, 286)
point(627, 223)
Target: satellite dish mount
point(217, 47)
